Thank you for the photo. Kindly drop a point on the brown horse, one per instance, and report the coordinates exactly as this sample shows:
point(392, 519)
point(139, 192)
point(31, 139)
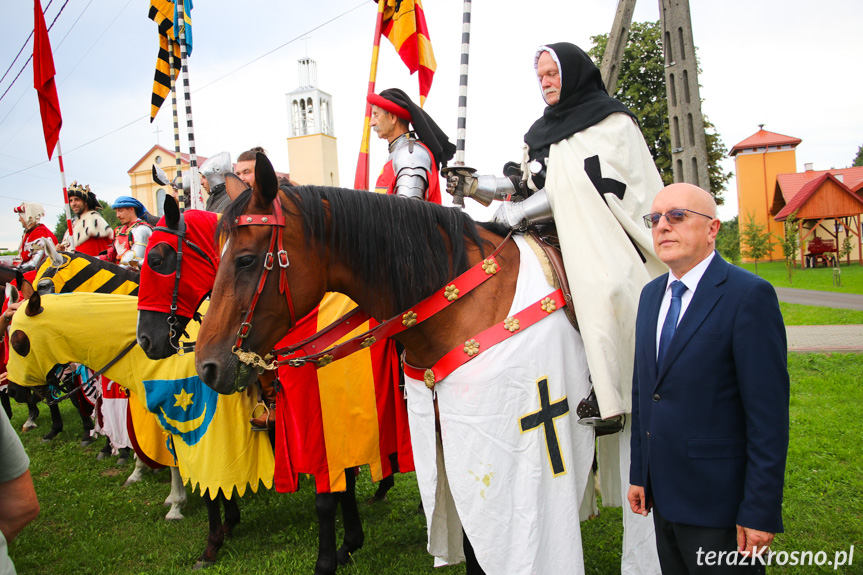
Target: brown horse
point(284, 249)
point(179, 272)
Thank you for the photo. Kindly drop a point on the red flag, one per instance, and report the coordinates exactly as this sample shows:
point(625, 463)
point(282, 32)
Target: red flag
point(43, 81)
point(404, 24)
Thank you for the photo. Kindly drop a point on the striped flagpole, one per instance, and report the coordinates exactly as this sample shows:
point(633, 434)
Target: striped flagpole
point(71, 246)
point(462, 84)
point(181, 195)
point(361, 178)
point(197, 200)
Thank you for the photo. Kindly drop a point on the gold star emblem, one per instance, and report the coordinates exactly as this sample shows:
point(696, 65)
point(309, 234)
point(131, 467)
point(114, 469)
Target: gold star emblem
point(409, 319)
point(511, 324)
point(471, 347)
point(451, 292)
point(548, 305)
point(184, 399)
point(489, 266)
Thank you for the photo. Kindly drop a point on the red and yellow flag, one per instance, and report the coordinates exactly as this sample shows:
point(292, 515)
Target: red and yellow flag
point(404, 25)
point(347, 414)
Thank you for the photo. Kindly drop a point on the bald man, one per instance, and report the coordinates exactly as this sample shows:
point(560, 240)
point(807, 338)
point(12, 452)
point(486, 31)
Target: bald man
point(709, 398)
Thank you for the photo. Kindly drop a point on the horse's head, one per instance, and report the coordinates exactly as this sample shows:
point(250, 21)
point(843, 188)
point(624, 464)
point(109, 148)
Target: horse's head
point(178, 273)
point(265, 276)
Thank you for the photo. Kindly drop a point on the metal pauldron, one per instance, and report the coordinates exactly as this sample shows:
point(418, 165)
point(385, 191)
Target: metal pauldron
point(411, 183)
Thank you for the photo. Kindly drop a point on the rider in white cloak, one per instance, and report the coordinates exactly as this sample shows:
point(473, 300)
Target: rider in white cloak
point(587, 168)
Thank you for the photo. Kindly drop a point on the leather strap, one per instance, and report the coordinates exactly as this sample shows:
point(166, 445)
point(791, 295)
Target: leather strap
point(488, 338)
point(427, 308)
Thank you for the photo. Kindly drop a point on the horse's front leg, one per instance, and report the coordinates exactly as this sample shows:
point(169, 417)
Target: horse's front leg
point(216, 537)
point(325, 507)
point(32, 412)
point(177, 498)
point(354, 536)
point(232, 514)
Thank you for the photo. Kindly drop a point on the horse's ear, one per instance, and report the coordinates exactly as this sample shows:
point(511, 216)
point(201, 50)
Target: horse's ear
point(172, 212)
point(56, 259)
point(27, 290)
point(234, 186)
point(266, 182)
point(34, 305)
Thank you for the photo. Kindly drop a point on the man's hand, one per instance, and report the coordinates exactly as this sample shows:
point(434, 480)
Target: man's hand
point(749, 540)
point(638, 501)
point(460, 182)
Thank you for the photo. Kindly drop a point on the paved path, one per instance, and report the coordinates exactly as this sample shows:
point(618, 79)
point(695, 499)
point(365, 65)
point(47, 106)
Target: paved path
point(821, 338)
point(821, 298)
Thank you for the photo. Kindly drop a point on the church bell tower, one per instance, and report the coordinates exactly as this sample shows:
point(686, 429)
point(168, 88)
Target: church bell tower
point(312, 149)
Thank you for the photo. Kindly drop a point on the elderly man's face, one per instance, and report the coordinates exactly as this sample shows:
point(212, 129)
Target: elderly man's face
point(126, 215)
point(78, 205)
point(384, 124)
point(549, 78)
point(683, 245)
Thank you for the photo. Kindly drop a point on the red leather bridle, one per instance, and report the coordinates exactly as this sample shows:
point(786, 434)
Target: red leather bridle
point(277, 221)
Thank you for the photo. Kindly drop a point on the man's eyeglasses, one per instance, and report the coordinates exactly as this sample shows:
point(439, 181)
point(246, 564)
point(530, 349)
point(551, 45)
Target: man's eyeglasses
point(674, 216)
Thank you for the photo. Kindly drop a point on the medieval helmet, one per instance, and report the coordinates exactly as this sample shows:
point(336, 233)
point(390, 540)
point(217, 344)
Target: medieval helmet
point(31, 212)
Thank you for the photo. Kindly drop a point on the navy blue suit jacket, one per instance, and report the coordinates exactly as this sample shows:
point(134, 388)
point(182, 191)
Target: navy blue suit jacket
point(710, 425)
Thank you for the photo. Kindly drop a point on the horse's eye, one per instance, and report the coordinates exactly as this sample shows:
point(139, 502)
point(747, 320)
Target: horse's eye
point(155, 261)
point(245, 261)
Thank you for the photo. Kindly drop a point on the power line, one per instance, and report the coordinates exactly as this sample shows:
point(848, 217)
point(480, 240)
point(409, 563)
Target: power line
point(345, 13)
point(31, 55)
point(6, 73)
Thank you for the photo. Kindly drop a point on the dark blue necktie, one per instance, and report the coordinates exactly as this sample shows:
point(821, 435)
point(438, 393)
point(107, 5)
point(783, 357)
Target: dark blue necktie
point(677, 289)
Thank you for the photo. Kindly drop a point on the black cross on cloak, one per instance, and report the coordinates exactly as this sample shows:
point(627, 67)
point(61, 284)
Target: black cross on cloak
point(546, 415)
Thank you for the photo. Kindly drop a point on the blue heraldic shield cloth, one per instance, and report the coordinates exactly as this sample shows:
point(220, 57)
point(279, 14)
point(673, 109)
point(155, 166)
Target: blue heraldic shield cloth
point(210, 435)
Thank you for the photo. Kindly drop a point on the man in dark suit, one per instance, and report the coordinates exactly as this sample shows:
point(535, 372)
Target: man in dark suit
point(709, 398)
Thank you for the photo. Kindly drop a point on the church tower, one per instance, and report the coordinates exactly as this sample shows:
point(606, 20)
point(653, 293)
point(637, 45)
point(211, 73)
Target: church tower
point(311, 145)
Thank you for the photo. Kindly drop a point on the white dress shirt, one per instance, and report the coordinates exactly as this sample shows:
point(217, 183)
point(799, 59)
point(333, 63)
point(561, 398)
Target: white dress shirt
point(690, 279)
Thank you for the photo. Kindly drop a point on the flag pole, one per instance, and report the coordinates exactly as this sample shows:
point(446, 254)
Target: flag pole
point(361, 179)
point(181, 195)
point(197, 200)
point(71, 246)
point(458, 166)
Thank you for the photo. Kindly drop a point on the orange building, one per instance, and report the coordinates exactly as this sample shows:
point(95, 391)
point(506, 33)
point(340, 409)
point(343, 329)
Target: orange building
point(758, 160)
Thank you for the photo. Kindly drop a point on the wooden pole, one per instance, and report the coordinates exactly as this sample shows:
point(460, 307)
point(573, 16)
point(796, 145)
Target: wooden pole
point(181, 196)
point(361, 179)
point(69, 230)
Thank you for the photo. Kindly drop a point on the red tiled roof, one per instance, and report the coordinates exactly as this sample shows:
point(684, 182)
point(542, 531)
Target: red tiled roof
point(763, 138)
point(806, 192)
point(790, 184)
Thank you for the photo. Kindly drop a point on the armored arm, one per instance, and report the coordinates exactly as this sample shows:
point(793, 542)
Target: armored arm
point(534, 210)
point(137, 246)
point(412, 165)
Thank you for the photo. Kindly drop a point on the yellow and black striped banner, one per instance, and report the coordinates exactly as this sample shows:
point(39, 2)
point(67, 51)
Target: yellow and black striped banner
point(162, 13)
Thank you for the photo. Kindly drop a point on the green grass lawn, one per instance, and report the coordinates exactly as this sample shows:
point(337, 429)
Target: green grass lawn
point(811, 278)
point(91, 525)
point(797, 314)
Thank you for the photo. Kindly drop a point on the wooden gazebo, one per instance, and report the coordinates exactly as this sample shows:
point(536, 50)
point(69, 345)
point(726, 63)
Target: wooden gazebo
point(823, 198)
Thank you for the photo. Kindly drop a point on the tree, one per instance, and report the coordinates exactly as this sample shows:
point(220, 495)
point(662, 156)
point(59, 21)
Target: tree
point(858, 161)
point(728, 241)
point(756, 239)
point(790, 245)
point(641, 87)
point(107, 212)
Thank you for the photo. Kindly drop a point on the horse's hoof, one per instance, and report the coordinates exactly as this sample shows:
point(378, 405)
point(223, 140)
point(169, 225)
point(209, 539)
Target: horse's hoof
point(122, 461)
point(100, 456)
point(202, 565)
point(86, 442)
point(28, 426)
point(345, 553)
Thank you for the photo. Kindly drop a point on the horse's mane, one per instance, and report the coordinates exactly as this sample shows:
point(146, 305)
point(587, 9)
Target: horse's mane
point(391, 241)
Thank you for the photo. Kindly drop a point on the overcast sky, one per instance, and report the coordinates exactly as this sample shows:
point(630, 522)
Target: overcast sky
point(791, 65)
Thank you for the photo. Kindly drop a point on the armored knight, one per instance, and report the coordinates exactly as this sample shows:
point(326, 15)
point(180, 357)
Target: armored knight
point(587, 168)
point(30, 252)
point(91, 234)
point(415, 156)
point(130, 243)
point(214, 170)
